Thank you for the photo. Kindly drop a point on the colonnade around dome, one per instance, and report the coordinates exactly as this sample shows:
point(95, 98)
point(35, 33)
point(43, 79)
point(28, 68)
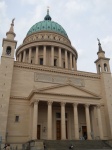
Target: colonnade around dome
point(49, 56)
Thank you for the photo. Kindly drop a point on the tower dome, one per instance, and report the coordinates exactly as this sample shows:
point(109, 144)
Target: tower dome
point(47, 25)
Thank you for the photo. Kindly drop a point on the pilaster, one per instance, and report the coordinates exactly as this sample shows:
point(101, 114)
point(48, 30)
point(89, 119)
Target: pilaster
point(99, 122)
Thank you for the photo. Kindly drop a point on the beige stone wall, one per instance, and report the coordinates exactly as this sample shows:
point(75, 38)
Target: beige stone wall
point(5, 86)
point(22, 85)
point(23, 82)
point(106, 85)
point(18, 131)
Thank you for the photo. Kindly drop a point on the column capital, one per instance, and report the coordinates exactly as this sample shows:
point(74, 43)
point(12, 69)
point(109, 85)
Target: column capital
point(63, 103)
point(98, 106)
point(36, 101)
point(75, 104)
point(49, 102)
point(87, 105)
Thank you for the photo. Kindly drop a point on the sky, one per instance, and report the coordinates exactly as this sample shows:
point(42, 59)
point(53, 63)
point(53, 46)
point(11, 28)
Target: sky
point(83, 20)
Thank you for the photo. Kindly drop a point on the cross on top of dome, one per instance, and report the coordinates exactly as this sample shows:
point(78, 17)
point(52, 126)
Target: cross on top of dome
point(47, 17)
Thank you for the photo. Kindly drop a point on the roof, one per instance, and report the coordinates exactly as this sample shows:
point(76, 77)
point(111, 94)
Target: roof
point(47, 25)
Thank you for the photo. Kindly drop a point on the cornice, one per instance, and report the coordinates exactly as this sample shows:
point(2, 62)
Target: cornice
point(9, 40)
point(101, 58)
point(55, 70)
point(68, 95)
point(56, 94)
point(18, 97)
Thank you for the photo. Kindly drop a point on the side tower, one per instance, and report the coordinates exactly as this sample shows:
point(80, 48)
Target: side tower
point(103, 68)
point(6, 69)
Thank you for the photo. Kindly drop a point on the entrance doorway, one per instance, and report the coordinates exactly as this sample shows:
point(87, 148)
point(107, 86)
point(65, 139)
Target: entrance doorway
point(58, 130)
point(38, 131)
point(84, 132)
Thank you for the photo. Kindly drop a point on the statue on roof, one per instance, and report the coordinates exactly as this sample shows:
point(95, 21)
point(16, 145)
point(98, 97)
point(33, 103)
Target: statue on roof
point(100, 48)
point(13, 21)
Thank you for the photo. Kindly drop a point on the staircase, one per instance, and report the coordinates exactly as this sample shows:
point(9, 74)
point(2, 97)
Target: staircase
point(67, 145)
point(76, 145)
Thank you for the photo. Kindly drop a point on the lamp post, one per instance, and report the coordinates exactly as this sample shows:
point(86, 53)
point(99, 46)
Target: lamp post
point(0, 141)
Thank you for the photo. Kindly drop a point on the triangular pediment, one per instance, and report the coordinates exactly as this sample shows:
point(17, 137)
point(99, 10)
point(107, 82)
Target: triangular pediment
point(67, 89)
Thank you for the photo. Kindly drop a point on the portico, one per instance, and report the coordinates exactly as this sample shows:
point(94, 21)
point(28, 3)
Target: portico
point(64, 117)
point(60, 116)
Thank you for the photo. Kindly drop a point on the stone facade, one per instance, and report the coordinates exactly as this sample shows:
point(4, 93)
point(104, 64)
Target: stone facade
point(44, 96)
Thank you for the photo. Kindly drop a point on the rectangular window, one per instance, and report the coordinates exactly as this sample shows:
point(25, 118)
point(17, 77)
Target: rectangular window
point(58, 115)
point(41, 61)
point(16, 118)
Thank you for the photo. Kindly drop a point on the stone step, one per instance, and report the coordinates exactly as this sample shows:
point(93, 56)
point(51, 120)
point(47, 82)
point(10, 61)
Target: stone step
point(77, 145)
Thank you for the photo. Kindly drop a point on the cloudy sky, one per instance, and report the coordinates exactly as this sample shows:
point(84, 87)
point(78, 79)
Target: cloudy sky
point(83, 20)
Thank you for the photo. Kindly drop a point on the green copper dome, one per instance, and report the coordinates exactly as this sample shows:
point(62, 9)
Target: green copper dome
point(47, 25)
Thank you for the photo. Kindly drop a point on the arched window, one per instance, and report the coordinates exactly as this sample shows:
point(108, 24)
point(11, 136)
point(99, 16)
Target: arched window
point(99, 68)
point(105, 67)
point(8, 50)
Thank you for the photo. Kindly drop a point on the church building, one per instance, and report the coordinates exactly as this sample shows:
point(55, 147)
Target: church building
point(42, 94)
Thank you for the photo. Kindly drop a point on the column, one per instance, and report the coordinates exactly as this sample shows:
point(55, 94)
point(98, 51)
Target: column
point(44, 55)
point(20, 56)
point(59, 52)
point(52, 56)
point(66, 59)
point(76, 124)
point(31, 121)
point(74, 63)
point(36, 57)
point(35, 120)
point(71, 61)
point(63, 131)
point(99, 122)
point(49, 121)
point(29, 59)
point(24, 55)
point(88, 122)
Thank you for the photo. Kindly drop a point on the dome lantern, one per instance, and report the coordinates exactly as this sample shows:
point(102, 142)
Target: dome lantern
point(47, 17)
